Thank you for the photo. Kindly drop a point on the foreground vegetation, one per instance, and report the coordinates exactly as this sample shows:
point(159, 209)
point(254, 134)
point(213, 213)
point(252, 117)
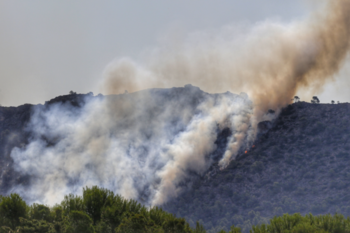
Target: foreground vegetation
point(98, 210)
point(101, 211)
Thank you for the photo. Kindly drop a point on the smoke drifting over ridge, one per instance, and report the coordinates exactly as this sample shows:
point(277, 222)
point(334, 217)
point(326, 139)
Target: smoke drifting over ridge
point(142, 145)
point(269, 61)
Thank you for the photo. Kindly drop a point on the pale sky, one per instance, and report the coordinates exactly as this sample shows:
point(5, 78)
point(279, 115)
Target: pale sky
point(48, 48)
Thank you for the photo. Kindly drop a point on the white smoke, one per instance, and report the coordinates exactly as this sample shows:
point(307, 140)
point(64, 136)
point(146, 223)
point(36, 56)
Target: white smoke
point(270, 61)
point(140, 145)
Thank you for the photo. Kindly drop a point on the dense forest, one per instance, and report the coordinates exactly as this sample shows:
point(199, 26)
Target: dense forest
point(101, 211)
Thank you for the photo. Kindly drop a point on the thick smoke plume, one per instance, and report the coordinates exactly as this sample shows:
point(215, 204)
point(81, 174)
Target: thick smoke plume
point(141, 145)
point(144, 145)
point(269, 62)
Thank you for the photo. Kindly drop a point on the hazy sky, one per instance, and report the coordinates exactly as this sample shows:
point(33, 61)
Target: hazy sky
point(48, 48)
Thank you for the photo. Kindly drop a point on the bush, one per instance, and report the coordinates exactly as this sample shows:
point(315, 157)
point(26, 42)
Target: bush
point(308, 224)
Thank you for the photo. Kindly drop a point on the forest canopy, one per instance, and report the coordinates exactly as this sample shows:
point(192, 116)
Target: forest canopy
point(99, 210)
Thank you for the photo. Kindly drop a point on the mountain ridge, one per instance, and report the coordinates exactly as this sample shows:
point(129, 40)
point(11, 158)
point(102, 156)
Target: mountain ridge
point(298, 164)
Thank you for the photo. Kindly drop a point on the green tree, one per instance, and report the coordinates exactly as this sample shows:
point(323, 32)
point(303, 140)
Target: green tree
point(103, 227)
point(115, 212)
point(235, 229)
point(34, 226)
point(12, 207)
point(95, 199)
point(137, 223)
point(78, 222)
point(199, 228)
point(177, 225)
point(71, 202)
point(40, 212)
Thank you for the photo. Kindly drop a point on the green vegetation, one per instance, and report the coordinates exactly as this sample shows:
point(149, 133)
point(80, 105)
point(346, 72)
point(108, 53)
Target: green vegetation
point(101, 211)
point(305, 224)
point(97, 211)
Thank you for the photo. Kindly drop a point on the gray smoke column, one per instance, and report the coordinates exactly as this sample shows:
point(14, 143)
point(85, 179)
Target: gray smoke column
point(269, 61)
point(143, 145)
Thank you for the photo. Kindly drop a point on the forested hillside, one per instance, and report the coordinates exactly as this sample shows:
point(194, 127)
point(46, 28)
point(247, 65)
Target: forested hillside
point(300, 165)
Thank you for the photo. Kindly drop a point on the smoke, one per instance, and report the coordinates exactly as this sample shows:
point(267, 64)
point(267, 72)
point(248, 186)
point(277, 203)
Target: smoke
point(270, 61)
point(141, 145)
point(145, 144)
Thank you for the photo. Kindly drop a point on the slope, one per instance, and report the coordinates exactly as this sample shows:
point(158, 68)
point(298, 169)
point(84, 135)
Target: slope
point(300, 165)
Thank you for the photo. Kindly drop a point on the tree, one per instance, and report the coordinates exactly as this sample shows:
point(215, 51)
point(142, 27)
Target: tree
point(34, 226)
point(199, 228)
point(235, 229)
point(332, 101)
point(95, 199)
point(72, 93)
point(176, 225)
point(12, 208)
point(138, 223)
point(71, 202)
point(79, 222)
point(40, 212)
point(315, 100)
point(296, 99)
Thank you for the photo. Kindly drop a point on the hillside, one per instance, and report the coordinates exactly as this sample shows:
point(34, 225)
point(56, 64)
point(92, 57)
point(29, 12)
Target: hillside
point(300, 165)
point(14, 133)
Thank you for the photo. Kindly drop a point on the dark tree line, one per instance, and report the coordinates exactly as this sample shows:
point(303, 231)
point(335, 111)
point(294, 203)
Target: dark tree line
point(97, 211)
point(100, 210)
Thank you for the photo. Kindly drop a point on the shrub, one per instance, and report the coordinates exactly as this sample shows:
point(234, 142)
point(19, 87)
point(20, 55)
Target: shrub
point(308, 224)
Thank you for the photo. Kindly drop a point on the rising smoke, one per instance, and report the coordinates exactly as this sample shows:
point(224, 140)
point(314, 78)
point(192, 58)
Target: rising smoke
point(143, 145)
point(270, 61)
